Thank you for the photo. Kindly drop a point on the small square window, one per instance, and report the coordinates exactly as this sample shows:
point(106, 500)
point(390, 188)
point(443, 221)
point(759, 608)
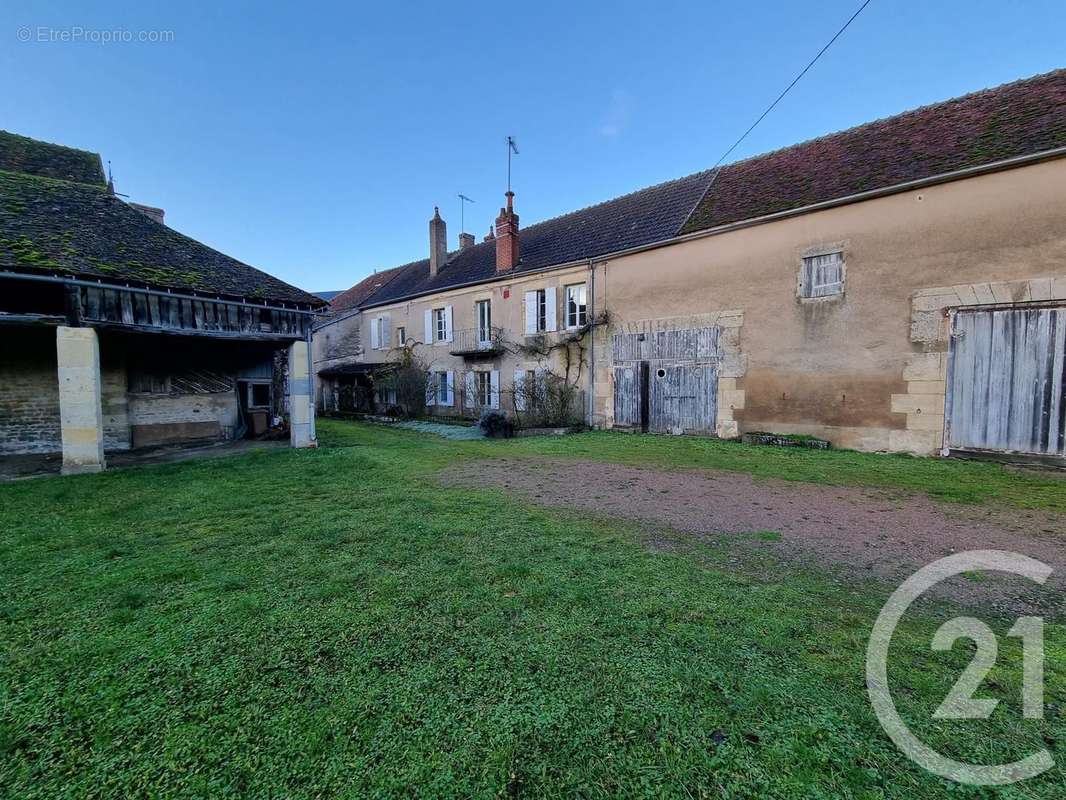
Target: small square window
point(822, 275)
point(401, 336)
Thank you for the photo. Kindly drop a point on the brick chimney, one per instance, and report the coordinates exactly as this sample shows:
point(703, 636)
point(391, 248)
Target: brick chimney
point(466, 241)
point(507, 237)
point(150, 211)
point(489, 236)
point(438, 243)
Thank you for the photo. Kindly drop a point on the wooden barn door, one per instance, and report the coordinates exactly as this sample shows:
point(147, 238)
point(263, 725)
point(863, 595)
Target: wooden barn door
point(1005, 387)
point(683, 398)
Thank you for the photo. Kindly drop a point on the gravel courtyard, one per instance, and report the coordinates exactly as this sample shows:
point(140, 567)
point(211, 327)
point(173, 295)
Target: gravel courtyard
point(884, 534)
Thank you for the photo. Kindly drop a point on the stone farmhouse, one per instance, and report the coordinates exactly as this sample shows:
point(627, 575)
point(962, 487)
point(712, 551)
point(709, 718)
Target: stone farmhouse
point(123, 334)
point(899, 286)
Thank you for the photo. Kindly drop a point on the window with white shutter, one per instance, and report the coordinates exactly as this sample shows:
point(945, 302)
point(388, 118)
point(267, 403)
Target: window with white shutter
point(576, 306)
point(822, 275)
point(540, 311)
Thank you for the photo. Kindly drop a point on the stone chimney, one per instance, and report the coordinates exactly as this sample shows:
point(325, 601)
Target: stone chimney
point(438, 243)
point(489, 236)
point(507, 237)
point(150, 211)
point(466, 241)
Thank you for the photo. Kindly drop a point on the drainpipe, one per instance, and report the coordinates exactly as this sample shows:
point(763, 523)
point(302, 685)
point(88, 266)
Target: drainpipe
point(592, 344)
point(311, 383)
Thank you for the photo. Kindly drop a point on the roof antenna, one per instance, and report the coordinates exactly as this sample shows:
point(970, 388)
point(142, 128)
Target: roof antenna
point(111, 184)
point(463, 200)
point(512, 147)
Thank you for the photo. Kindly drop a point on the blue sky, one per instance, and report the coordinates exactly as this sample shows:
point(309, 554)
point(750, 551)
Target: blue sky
point(313, 140)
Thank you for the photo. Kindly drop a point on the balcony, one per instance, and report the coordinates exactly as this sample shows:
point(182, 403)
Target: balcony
point(477, 342)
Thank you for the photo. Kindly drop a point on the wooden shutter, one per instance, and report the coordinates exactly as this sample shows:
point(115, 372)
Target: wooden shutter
point(470, 389)
point(550, 320)
point(431, 389)
point(429, 326)
point(447, 323)
point(386, 333)
point(519, 390)
point(494, 401)
point(375, 341)
point(531, 313)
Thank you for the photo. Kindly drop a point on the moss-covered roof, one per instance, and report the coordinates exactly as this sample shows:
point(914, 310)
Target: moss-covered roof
point(67, 228)
point(46, 160)
point(57, 216)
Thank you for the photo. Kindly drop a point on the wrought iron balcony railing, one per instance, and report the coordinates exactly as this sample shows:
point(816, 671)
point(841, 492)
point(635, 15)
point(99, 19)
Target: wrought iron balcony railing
point(477, 342)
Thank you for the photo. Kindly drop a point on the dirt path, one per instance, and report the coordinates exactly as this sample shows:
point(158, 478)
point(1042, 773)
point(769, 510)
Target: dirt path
point(871, 533)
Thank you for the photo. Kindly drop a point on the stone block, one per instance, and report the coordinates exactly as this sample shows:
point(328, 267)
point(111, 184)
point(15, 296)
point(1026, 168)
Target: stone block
point(925, 422)
point(918, 403)
point(925, 367)
point(922, 443)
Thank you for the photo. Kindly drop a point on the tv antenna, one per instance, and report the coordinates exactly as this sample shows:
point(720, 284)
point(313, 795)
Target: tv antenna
point(512, 149)
point(463, 200)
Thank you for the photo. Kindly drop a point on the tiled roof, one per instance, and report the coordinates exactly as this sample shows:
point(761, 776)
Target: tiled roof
point(29, 156)
point(350, 298)
point(632, 220)
point(57, 226)
point(1016, 119)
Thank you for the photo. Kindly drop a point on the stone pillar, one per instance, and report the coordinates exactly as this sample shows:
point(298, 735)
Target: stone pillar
point(301, 412)
point(80, 417)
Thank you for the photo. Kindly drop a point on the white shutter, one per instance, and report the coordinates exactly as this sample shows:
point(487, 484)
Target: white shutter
point(447, 323)
point(375, 343)
point(531, 313)
point(495, 396)
point(429, 327)
point(520, 390)
point(386, 334)
point(470, 389)
point(549, 309)
point(450, 378)
point(431, 389)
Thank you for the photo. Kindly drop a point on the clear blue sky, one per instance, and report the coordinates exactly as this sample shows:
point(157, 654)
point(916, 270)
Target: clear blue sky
point(313, 140)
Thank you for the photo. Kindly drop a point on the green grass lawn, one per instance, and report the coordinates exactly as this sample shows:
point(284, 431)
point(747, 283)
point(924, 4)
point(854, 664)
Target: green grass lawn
point(332, 623)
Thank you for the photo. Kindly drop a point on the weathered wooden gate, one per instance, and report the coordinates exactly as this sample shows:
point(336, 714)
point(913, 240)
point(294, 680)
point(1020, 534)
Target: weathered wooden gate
point(1005, 384)
point(667, 381)
point(683, 398)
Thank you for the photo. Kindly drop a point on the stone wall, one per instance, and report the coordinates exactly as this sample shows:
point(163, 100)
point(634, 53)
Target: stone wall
point(29, 392)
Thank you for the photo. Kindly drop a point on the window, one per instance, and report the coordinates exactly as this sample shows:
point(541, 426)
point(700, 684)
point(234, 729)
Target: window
point(540, 311)
point(576, 306)
point(442, 389)
point(483, 387)
point(484, 322)
point(258, 395)
point(440, 325)
point(822, 275)
point(377, 333)
point(401, 336)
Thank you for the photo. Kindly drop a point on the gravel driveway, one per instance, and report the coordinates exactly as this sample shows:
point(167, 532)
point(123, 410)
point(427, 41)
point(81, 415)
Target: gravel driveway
point(867, 532)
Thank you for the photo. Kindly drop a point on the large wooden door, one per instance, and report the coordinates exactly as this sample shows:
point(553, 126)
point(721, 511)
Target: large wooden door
point(683, 398)
point(1005, 387)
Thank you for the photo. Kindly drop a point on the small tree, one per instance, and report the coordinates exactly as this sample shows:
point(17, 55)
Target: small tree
point(409, 378)
point(549, 401)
